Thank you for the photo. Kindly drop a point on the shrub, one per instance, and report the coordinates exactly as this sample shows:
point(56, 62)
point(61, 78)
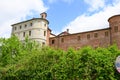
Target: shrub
point(33, 63)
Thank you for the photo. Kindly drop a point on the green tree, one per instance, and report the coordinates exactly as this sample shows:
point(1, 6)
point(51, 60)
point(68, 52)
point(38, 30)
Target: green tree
point(28, 61)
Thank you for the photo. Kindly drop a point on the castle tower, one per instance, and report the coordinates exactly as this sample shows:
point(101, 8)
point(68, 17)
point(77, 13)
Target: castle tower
point(36, 29)
point(114, 23)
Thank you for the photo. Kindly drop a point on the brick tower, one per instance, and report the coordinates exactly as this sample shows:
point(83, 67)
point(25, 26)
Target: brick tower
point(114, 23)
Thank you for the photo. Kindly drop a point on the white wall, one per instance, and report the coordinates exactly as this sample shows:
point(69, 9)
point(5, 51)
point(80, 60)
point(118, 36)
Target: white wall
point(37, 29)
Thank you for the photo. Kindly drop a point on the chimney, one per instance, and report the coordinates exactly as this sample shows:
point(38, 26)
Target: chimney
point(67, 30)
point(43, 15)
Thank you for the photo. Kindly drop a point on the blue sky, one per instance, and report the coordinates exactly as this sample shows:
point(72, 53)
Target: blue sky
point(62, 12)
point(75, 15)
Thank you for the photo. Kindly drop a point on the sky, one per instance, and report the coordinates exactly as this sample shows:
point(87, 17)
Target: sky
point(75, 15)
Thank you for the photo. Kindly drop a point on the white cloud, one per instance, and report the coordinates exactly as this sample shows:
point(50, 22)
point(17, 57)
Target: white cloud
point(66, 1)
point(15, 10)
point(95, 4)
point(95, 21)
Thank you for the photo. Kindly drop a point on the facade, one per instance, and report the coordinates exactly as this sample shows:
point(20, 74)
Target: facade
point(97, 38)
point(37, 29)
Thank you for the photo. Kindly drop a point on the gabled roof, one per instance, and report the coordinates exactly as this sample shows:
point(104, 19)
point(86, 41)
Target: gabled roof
point(63, 33)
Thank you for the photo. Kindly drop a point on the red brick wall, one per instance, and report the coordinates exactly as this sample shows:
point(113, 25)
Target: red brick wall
point(72, 40)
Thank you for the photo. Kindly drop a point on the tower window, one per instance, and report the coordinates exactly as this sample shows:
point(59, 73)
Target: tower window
point(20, 27)
point(53, 41)
point(15, 28)
point(116, 29)
point(88, 36)
point(23, 34)
point(95, 35)
point(44, 33)
point(25, 25)
point(31, 24)
point(79, 38)
point(43, 43)
point(106, 33)
point(29, 33)
point(45, 25)
point(62, 39)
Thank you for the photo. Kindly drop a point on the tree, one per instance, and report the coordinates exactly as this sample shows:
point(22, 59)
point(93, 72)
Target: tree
point(32, 62)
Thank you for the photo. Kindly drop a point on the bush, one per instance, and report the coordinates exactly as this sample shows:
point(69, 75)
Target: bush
point(33, 63)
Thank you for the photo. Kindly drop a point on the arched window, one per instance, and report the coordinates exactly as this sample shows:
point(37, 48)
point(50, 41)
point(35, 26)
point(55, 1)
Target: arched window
point(29, 33)
point(44, 33)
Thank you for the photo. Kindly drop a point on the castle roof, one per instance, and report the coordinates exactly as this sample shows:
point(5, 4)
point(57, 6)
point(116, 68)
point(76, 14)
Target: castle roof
point(31, 20)
point(68, 34)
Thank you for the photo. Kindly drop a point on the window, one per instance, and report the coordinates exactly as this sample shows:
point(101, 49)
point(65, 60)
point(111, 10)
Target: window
point(25, 25)
point(31, 24)
point(23, 34)
point(79, 38)
point(116, 29)
point(62, 39)
point(15, 28)
point(29, 33)
point(43, 43)
point(20, 27)
point(44, 33)
point(53, 41)
point(106, 33)
point(45, 25)
point(88, 36)
point(95, 35)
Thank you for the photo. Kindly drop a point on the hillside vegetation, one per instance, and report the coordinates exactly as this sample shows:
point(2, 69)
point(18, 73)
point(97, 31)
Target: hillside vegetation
point(29, 61)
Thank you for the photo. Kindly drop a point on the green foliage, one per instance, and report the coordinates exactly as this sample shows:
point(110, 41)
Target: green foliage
point(28, 61)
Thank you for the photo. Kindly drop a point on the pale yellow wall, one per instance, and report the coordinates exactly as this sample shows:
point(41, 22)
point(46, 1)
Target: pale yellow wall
point(37, 30)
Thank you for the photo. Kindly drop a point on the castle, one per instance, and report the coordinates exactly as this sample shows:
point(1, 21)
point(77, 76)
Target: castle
point(37, 29)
